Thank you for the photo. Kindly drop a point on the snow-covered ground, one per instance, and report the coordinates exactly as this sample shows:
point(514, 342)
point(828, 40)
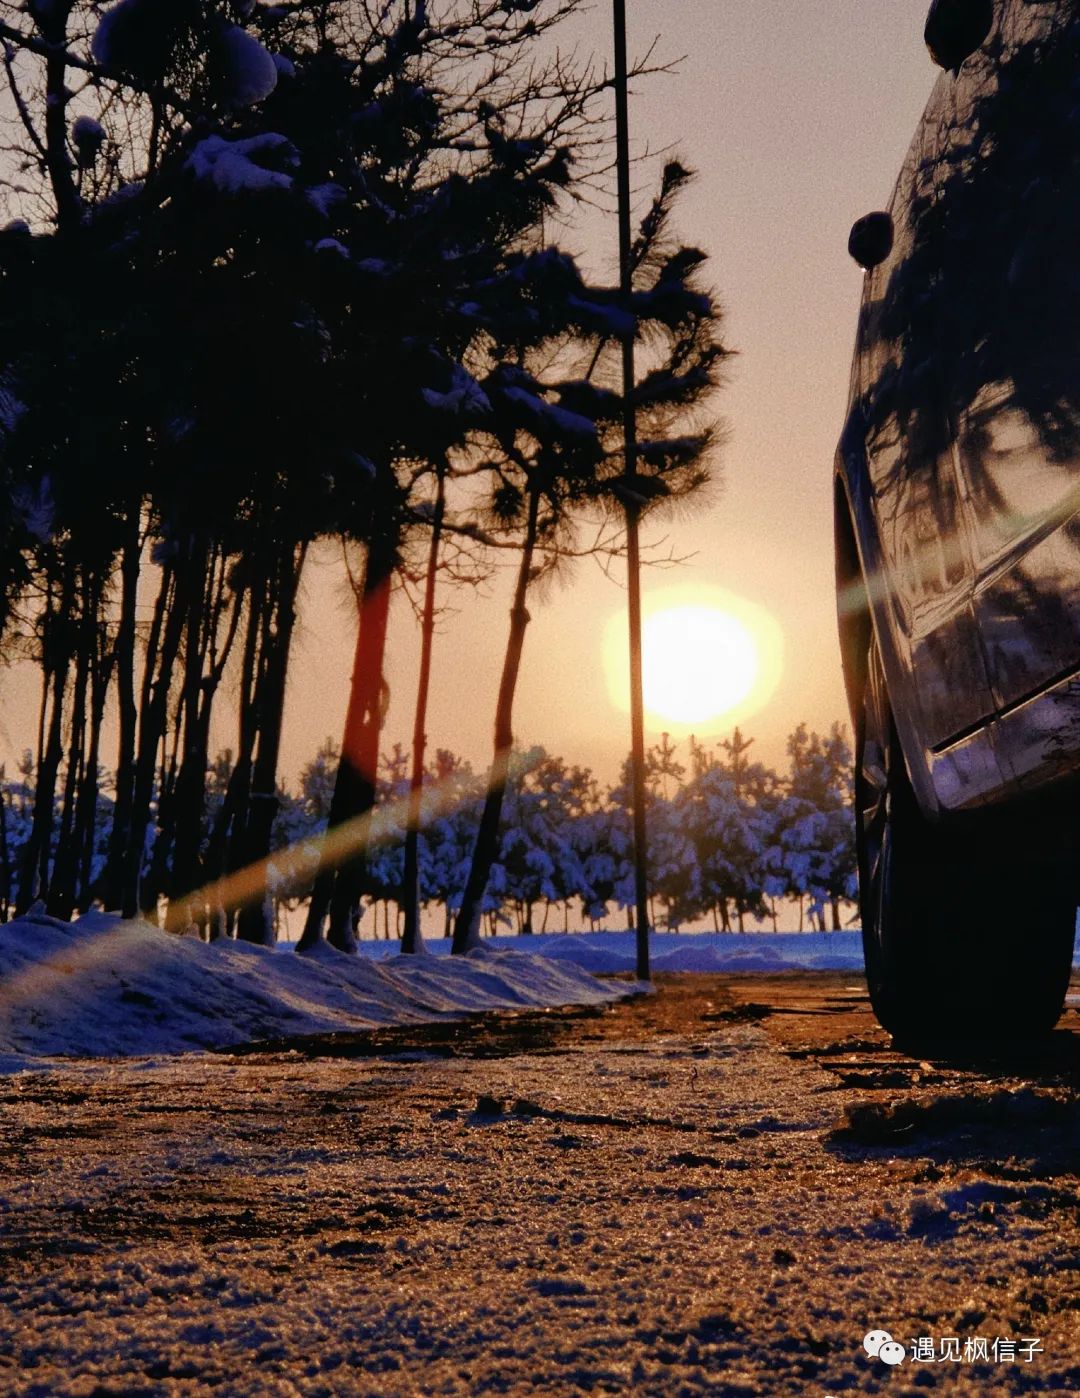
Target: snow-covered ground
point(604, 953)
point(100, 987)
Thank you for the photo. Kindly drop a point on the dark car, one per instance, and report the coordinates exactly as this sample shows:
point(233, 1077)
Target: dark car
point(957, 492)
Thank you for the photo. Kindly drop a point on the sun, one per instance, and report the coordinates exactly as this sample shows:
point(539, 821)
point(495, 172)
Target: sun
point(707, 657)
point(696, 663)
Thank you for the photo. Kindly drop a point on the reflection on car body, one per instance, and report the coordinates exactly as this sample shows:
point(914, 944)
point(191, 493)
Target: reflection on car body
point(957, 480)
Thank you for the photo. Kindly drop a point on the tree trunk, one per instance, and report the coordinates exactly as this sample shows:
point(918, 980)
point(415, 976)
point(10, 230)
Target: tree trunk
point(255, 921)
point(190, 767)
point(5, 854)
point(224, 847)
point(56, 657)
point(354, 786)
point(467, 927)
point(156, 684)
point(154, 882)
point(86, 826)
point(65, 868)
point(412, 941)
point(200, 688)
point(124, 652)
point(52, 21)
point(34, 877)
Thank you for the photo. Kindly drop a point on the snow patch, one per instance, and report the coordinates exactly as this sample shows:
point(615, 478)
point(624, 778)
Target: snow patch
point(463, 395)
point(102, 987)
point(250, 73)
point(234, 167)
point(607, 953)
point(325, 197)
point(332, 245)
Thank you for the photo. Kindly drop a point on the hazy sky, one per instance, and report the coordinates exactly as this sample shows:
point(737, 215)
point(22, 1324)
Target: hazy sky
point(796, 117)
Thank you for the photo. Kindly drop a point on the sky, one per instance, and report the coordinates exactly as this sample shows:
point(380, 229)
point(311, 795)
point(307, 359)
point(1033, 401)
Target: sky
point(796, 118)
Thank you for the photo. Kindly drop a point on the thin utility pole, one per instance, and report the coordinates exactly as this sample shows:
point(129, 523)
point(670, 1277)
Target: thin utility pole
point(633, 558)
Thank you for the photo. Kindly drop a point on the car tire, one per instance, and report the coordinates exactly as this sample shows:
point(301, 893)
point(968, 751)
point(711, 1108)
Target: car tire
point(963, 938)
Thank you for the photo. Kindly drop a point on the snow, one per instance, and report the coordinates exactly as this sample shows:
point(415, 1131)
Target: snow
point(250, 72)
point(102, 987)
point(11, 409)
point(325, 197)
point(463, 395)
point(113, 19)
point(332, 245)
point(606, 953)
point(87, 133)
point(34, 505)
point(246, 72)
point(124, 194)
point(548, 416)
point(233, 167)
point(602, 319)
point(44, 10)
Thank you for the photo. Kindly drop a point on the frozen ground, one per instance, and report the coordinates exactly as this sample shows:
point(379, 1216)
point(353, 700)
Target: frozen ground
point(718, 1189)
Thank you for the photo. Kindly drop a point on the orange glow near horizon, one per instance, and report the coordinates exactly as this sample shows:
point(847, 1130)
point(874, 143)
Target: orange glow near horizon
point(709, 659)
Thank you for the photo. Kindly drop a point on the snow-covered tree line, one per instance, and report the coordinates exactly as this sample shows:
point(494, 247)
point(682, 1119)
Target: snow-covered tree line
point(732, 839)
point(276, 273)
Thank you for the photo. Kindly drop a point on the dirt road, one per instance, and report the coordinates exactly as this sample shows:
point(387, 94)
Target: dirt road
point(720, 1189)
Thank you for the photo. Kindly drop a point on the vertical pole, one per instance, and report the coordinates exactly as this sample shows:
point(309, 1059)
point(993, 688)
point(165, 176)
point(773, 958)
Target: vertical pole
point(633, 559)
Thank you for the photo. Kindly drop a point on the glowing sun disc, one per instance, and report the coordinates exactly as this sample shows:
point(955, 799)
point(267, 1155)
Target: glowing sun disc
point(696, 663)
point(709, 658)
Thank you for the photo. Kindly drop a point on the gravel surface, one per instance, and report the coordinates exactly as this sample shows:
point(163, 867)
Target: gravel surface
point(720, 1189)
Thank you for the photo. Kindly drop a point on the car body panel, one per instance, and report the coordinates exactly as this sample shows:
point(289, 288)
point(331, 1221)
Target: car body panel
point(960, 457)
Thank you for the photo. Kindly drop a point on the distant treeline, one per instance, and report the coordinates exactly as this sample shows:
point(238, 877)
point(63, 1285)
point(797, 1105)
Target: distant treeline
point(731, 839)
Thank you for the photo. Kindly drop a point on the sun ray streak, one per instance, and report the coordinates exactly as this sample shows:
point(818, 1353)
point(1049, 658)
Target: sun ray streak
point(291, 866)
point(1022, 530)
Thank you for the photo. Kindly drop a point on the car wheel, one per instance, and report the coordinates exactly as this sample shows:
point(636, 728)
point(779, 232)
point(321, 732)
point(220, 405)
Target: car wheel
point(963, 938)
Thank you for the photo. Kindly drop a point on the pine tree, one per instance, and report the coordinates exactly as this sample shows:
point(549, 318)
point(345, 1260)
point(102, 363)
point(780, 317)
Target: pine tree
point(558, 438)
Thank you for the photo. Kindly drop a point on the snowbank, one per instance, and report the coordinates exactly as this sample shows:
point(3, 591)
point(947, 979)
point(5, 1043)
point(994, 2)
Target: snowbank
point(604, 953)
point(778, 951)
point(101, 987)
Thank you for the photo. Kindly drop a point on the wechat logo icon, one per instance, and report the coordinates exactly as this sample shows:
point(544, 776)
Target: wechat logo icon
point(879, 1344)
